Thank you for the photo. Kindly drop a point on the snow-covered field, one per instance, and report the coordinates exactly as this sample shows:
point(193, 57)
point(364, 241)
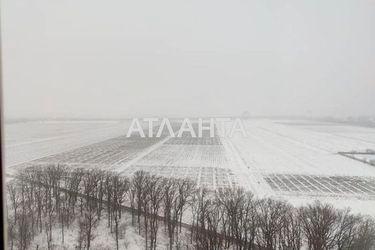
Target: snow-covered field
point(301, 160)
point(27, 141)
point(287, 159)
point(273, 147)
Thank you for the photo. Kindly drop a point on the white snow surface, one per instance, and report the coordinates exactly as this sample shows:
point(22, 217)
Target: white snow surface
point(287, 147)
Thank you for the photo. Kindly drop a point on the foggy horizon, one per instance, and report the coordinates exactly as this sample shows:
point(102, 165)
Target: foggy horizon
point(199, 124)
point(196, 58)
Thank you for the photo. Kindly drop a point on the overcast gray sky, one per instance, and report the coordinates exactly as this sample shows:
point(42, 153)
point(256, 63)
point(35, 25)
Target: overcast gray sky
point(91, 58)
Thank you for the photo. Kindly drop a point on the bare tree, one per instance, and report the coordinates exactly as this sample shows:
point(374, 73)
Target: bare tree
point(290, 237)
point(186, 190)
point(120, 188)
point(14, 202)
point(139, 184)
point(365, 235)
point(270, 219)
point(23, 218)
point(145, 208)
point(201, 207)
point(249, 222)
point(24, 231)
point(156, 195)
point(87, 224)
point(214, 216)
point(233, 202)
point(170, 194)
point(319, 224)
point(73, 185)
point(347, 228)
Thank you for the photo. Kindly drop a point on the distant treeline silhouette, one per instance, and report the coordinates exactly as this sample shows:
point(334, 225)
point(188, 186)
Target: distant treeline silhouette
point(42, 198)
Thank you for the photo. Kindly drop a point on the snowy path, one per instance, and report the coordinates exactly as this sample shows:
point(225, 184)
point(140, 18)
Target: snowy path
point(247, 176)
point(140, 156)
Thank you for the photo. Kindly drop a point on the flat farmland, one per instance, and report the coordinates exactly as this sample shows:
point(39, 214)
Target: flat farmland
point(208, 177)
point(202, 159)
point(272, 147)
point(194, 141)
point(18, 133)
point(294, 160)
point(300, 162)
point(187, 156)
point(31, 140)
point(108, 153)
point(311, 185)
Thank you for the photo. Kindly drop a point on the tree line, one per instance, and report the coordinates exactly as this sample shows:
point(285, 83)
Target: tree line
point(40, 199)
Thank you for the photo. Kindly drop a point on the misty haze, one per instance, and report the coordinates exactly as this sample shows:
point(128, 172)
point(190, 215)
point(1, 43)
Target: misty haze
point(242, 124)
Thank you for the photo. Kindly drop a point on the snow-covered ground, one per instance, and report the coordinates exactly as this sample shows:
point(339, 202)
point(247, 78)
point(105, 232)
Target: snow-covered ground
point(27, 141)
point(103, 239)
point(187, 156)
point(307, 155)
point(272, 147)
point(287, 159)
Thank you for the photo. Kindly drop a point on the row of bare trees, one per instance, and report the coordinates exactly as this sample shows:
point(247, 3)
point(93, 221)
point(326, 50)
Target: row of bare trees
point(41, 199)
point(156, 199)
point(234, 218)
